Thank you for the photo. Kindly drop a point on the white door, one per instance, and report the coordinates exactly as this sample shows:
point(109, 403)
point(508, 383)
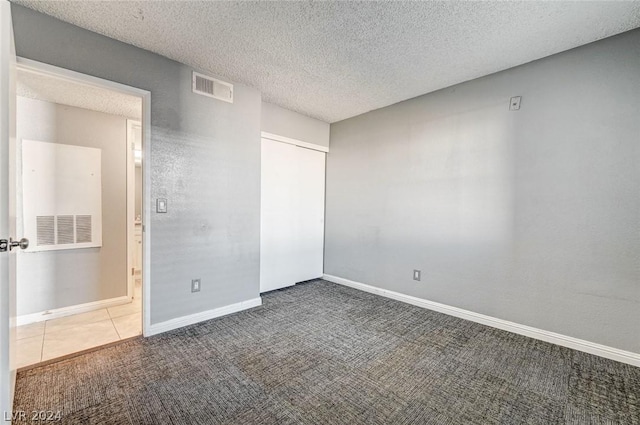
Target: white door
point(292, 215)
point(7, 210)
point(309, 212)
point(134, 226)
point(276, 215)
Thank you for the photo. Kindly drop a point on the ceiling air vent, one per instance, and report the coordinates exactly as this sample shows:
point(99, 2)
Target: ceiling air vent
point(211, 87)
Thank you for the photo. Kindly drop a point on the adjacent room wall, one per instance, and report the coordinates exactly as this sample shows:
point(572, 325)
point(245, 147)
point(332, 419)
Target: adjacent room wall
point(530, 216)
point(283, 122)
point(205, 159)
point(55, 279)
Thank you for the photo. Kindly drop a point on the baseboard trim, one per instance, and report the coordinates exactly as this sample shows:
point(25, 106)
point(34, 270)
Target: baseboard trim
point(552, 337)
point(179, 322)
point(57, 313)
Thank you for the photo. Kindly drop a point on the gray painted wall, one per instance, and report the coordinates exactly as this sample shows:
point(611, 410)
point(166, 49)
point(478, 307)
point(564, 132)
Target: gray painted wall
point(55, 279)
point(529, 216)
point(205, 159)
point(283, 122)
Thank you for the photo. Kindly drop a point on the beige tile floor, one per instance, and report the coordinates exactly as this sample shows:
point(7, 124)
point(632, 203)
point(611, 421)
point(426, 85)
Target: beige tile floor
point(47, 340)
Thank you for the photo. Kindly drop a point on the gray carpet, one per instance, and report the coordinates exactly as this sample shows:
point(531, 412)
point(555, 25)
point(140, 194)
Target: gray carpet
point(319, 353)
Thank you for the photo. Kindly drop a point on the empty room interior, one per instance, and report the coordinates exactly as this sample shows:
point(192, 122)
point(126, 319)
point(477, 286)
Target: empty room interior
point(328, 212)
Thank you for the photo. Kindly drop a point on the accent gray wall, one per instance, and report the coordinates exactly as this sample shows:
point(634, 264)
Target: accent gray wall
point(55, 279)
point(205, 159)
point(283, 122)
point(530, 216)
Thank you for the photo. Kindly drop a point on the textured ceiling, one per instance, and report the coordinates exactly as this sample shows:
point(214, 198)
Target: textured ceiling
point(334, 60)
point(63, 92)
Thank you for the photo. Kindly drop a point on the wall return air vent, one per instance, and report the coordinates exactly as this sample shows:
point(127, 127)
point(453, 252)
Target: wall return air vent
point(211, 87)
point(61, 196)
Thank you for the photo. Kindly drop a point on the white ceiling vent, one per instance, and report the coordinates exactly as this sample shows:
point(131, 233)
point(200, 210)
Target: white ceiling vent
point(211, 87)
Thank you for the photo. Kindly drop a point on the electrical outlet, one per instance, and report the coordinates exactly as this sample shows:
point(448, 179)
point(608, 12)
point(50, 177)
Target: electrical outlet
point(416, 275)
point(195, 285)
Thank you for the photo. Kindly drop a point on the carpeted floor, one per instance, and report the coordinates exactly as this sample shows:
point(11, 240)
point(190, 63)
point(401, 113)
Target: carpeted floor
point(319, 353)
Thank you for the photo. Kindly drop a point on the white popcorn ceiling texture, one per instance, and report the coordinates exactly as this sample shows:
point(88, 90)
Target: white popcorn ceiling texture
point(335, 60)
point(63, 92)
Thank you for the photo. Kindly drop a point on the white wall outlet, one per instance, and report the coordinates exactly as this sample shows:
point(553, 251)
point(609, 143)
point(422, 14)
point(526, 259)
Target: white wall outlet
point(514, 103)
point(195, 285)
point(416, 275)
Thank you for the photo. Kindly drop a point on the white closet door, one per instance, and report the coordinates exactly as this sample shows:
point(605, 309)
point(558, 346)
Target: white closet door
point(292, 215)
point(279, 169)
point(309, 214)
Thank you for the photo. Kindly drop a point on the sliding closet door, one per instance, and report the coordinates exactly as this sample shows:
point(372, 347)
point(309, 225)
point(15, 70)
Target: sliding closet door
point(309, 214)
point(278, 205)
point(292, 215)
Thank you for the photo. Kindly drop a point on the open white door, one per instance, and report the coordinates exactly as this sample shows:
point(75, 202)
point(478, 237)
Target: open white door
point(7, 211)
point(134, 238)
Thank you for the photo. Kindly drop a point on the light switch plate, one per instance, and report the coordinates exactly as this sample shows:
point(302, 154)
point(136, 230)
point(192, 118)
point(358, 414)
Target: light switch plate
point(161, 205)
point(416, 275)
point(195, 285)
point(514, 103)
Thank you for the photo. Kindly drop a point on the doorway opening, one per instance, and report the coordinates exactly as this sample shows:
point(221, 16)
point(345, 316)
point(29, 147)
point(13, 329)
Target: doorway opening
point(80, 170)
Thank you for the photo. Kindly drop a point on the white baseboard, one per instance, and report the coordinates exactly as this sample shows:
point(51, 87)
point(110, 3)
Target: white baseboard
point(552, 337)
point(179, 322)
point(26, 319)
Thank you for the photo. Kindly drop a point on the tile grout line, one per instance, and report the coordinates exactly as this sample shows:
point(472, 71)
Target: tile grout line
point(44, 333)
point(46, 329)
point(114, 327)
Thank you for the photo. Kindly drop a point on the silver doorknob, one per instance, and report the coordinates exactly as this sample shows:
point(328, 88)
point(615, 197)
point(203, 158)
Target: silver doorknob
point(22, 243)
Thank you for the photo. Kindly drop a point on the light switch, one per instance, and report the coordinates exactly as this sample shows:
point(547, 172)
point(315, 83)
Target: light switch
point(514, 103)
point(161, 205)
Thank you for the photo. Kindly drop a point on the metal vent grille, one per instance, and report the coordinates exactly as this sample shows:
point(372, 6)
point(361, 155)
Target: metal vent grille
point(45, 230)
point(83, 228)
point(65, 229)
point(204, 85)
point(211, 87)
